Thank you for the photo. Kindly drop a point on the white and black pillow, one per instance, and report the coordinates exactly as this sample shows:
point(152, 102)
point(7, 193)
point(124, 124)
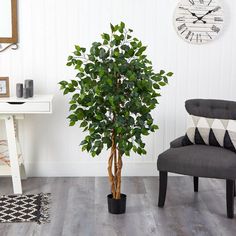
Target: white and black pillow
point(208, 131)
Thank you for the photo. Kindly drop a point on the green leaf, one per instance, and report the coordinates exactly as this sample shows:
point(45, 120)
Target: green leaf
point(144, 152)
point(162, 83)
point(109, 81)
point(98, 117)
point(77, 53)
point(169, 74)
point(102, 53)
point(84, 124)
point(101, 72)
point(74, 82)
point(83, 50)
point(156, 86)
point(140, 51)
point(98, 151)
point(165, 79)
point(112, 28)
point(72, 117)
point(106, 36)
point(66, 91)
point(162, 72)
point(73, 107)
point(80, 114)
point(83, 142)
point(105, 42)
point(72, 123)
point(63, 83)
point(77, 47)
point(154, 127)
point(78, 64)
point(144, 131)
point(139, 151)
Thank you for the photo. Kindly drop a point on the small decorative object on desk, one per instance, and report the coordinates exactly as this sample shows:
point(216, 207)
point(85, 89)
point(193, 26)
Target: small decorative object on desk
point(4, 87)
point(26, 92)
point(29, 83)
point(19, 90)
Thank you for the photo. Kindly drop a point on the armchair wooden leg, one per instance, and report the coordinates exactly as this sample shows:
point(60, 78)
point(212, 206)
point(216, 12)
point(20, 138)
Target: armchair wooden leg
point(234, 189)
point(230, 198)
point(162, 187)
point(195, 183)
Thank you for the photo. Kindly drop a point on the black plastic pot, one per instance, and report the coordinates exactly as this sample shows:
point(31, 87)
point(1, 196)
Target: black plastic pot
point(116, 206)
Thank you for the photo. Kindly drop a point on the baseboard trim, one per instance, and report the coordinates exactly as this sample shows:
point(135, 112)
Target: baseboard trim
point(71, 169)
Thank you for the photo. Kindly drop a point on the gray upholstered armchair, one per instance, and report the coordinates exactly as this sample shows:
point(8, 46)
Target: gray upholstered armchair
point(201, 160)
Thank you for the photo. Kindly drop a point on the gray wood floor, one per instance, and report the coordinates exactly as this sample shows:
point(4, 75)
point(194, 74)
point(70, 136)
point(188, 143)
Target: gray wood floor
point(79, 208)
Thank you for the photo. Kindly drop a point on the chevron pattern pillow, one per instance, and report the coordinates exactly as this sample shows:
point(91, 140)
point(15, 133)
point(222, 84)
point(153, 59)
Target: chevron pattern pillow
point(208, 131)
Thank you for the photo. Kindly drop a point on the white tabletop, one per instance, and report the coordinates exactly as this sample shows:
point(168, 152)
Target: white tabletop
point(36, 98)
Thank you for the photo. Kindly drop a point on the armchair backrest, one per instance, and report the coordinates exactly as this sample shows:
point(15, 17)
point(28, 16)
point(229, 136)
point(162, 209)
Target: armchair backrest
point(219, 109)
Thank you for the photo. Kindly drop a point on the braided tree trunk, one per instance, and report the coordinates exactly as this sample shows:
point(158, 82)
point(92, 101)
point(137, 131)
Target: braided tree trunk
point(114, 170)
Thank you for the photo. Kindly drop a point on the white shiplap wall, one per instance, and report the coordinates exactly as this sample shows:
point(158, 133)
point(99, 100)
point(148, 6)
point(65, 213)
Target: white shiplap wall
point(48, 30)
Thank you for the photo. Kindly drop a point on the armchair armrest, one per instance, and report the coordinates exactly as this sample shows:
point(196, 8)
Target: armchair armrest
point(177, 142)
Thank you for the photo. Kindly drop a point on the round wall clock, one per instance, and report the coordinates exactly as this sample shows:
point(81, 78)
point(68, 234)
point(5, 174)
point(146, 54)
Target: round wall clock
point(198, 21)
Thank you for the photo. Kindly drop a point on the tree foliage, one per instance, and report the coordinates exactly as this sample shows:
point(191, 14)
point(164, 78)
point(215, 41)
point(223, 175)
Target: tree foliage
point(114, 92)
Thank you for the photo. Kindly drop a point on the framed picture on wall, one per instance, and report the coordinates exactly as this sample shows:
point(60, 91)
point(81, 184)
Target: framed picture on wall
point(4, 87)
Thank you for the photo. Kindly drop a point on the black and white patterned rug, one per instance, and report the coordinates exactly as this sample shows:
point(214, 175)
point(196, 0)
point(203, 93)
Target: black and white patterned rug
point(24, 208)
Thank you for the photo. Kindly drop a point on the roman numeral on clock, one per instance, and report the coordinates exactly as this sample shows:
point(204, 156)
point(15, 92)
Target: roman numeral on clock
point(208, 35)
point(218, 19)
point(188, 35)
point(199, 38)
point(215, 29)
point(201, 1)
point(184, 30)
point(191, 37)
point(180, 18)
point(192, 2)
point(182, 27)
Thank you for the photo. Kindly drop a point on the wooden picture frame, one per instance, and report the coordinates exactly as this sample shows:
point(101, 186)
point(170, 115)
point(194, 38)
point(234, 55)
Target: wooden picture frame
point(14, 38)
point(4, 87)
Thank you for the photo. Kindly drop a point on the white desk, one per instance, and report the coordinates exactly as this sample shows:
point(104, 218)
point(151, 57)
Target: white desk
point(12, 109)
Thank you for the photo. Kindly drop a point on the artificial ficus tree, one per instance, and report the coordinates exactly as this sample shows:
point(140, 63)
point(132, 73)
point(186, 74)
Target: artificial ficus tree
point(113, 95)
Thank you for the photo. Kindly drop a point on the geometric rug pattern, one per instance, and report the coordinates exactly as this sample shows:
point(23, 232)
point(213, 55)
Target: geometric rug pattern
point(24, 208)
point(208, 131)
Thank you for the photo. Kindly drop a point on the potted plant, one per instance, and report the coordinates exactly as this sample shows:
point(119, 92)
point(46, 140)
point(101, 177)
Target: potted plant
point(112, 97)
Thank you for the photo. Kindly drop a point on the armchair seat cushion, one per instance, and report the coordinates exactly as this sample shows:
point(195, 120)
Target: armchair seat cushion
point(199, 160)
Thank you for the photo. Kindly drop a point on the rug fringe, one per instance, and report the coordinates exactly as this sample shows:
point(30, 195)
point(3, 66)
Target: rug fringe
point(44, 208)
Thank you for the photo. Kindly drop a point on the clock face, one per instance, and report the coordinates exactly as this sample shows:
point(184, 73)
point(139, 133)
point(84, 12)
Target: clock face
point(198, 21)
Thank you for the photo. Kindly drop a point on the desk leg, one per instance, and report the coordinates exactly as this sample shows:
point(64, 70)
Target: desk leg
point(12, 148)
point(19, 152)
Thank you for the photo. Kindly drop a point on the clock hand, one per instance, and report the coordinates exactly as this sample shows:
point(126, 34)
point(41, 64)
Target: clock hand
point(194, 22)
point(200, 17)
point(192, 13)
point(209, 12)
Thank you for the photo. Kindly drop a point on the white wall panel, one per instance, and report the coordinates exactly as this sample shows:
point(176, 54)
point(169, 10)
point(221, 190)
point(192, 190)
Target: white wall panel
point(48, 29)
